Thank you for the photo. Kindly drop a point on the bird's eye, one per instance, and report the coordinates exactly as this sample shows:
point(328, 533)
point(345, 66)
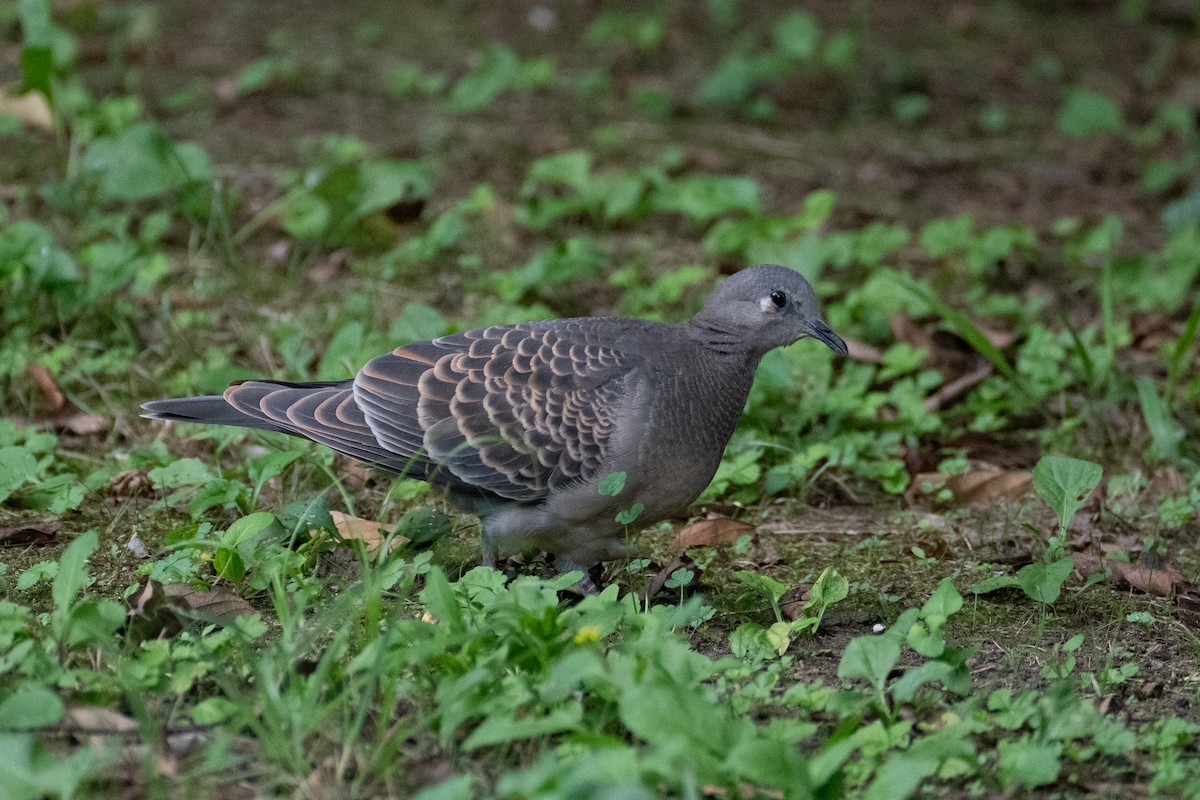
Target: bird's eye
point(779, 298)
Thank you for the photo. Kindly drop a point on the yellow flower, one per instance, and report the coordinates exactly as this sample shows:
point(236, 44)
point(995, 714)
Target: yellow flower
point(588, 633)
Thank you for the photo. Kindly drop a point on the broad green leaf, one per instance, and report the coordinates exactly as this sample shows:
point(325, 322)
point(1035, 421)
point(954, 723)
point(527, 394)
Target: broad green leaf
point(217, 492)
point(504, 728)
point(1085, 113)
point(212, 711)
point(342, 352)
point(270, 465)
point(572, 168)
point(417, 321)
point(72, 573)
point(942, 236)
point(1065, 484)
point(442, 601)
point(612, 484)
point(424, 525)
point(798, 33)
point(944, 603)
point(870, 658)
point(95, 622)
point(37, 57)
point(17, 466)
point(1166, 434)
point(676, 716)
point(926, 640)
point(36, 573)
point(31, 707)
point(701, 198)
point(140, 163)
point(905, 687)
point(256, 75)
point(181, 472)
point(304, 215)
point(29, 772)
point(763, 584)
point(749, 642)
point(629, 515)
point(993, 583)
point(307, 515)
point(496, 71)
point(1043, 582)
point(246, 528)
point(899, 777)
point(383, 184)
point(229, 564)
point(770, 762)
point(779, 636)
point(829, 588)
point(1028, 763)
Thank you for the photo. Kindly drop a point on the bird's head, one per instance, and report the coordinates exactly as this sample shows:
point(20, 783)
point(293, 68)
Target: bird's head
point(767, 306)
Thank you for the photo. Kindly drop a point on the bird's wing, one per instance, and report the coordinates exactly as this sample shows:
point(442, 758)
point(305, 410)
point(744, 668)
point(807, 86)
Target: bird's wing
point(513, 409)
point(325, 413)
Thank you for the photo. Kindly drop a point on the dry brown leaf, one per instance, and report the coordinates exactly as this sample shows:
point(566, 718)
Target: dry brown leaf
point(329, 267)
point(997, 333)
point(151, 615)
point(961, 385)
point(980, 487)
point(764, 554)
point(130, 483)
point(792, 602)
point(861, 351)
point(220, 604)
point(136, 546)
point(1187, 603)
point(97, 722)
point(1151, 690)
point(277, 254)
point(26, 533)
point(905, 329)
point(30, 108)
point(82, 424)
point(1161, 581)
point(64, 415)
point(45, 380)
point(1151, 329)
point(961, 366)
point(711, 531)
point(370, 532)
point(355, 473)
point(660, 579)
point(1167, 481)
point(933, 547)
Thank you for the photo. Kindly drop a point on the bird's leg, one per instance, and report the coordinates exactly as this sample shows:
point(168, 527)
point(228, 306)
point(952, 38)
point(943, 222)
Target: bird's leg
point(491, 549)
point(585, 585)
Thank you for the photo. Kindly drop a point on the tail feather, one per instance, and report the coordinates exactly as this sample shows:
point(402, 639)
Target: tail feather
point(210, 410)
point(323, 412)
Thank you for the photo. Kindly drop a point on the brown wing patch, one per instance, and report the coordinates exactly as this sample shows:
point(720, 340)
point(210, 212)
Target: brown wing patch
point(515, 409)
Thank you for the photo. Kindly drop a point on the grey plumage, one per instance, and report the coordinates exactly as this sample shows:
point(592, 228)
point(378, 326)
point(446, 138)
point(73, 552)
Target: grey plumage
point(522, 422)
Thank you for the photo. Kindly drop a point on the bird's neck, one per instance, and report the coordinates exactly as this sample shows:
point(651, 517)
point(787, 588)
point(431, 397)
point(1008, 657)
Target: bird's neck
point(723, 340)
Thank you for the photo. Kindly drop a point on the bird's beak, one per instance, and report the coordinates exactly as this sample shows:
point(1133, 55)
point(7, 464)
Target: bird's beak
point(817, 329)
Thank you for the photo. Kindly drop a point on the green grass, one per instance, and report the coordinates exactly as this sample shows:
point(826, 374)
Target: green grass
point(1011, 242)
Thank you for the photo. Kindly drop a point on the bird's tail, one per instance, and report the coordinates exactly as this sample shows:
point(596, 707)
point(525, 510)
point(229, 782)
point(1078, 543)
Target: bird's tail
point(209, 410)
point(324, 412)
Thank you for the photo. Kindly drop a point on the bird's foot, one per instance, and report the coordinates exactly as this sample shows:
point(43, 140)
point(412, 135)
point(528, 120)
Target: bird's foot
point(585, 585)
